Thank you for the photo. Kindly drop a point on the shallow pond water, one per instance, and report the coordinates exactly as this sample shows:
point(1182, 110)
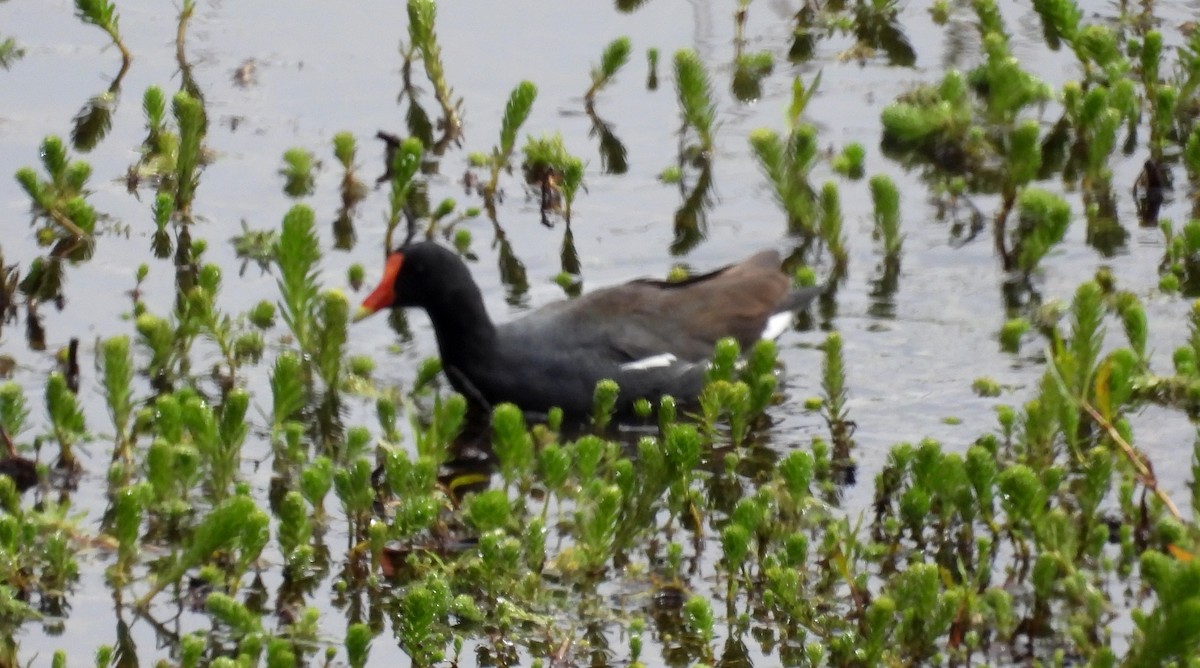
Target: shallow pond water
point(320, 68)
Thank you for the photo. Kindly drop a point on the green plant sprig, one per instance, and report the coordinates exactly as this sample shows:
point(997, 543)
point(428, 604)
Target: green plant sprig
point(548, 165)
point(236, 523)
point(297, 253)
point(103, 14)
point(422, 15)
point(694, 90)
point(520, 103)
point(61, 198)
point(10, 52)
point(787, 162)
point(833, 386)
point(614, 57)
point(886, 198)
point(405, 164)
point(298, 170)
point(189, 116)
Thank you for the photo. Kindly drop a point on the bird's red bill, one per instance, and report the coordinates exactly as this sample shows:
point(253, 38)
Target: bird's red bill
point(384, 294)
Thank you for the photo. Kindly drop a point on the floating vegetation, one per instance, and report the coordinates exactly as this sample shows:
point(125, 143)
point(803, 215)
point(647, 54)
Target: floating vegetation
point(615, 55)
point(103, 14)
point(10, 52)
point(353, 190)
point(787, 161)
point(298, 172)
point(887, 216)
point(652, 69)
point(749, 69)
point(253, 483)
point(422, 15)
point(613, 155)
point(557, 174)
point(94, 120)
point(693, 88)
point(520, 103)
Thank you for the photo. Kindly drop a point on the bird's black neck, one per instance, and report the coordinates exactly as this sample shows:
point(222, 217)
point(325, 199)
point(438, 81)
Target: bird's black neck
point(464, 331)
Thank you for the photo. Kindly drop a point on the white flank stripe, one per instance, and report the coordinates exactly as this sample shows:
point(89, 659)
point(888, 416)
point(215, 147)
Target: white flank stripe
point(652, 362)
point(777, 325)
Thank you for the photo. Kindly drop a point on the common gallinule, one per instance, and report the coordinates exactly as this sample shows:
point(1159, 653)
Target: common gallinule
point(651, 337)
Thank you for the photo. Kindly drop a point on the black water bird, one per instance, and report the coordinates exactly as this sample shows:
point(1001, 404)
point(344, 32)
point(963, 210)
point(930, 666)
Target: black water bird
point(652, 337)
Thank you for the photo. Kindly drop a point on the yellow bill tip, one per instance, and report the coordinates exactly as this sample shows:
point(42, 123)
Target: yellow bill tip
point(362, 313)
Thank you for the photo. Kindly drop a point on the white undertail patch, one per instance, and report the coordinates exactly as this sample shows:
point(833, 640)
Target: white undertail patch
point(653, 362)
point(777, 325)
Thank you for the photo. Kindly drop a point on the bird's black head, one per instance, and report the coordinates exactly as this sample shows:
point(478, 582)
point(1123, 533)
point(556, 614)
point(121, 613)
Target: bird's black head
point(414, 276)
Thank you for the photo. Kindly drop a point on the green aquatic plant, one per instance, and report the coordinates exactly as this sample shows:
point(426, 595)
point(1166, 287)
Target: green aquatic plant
point(352, 485)
point(513, 446)
point(1166, 633)
point(117, 361)
point(297, 253)
point(93, 121)
point(1009, 88)
point(698, 111)
point(1179, 269)
point(353, 190)
point(886, 198)
point(1043, 218)
point(162, 209)
point(422, 15)
point(13, 410)
point(1060, 21)
point(405, 163)
point(696, 106)
point(613, 154)
point(849, 162)
point(172, 465)
point(698, 616)
point(596, 522)
point(787, 162)
point(358, 644)
point(737, 398)
point(298, 170)
point(10, 52)
point(331, 319)
point(614, 57)
point(749, 69)
point(236, 525)
point(877, 27)
point(103, 14)
point(256, 246)
point(971, 551)
point(1011, 333)
point(217, 436)
point(986, 387)
point(604, 402)
point(1191, 161)
point(160, 148)
point(830, 227)
point(67, 424)
point(557, 173)
point(198, 313)
point(129, 505)
point(652, 69)
point(516, 111)
point(935, 121)
point(189, 117)
point(949, 125)
point(61, 198)
point(833, 404)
